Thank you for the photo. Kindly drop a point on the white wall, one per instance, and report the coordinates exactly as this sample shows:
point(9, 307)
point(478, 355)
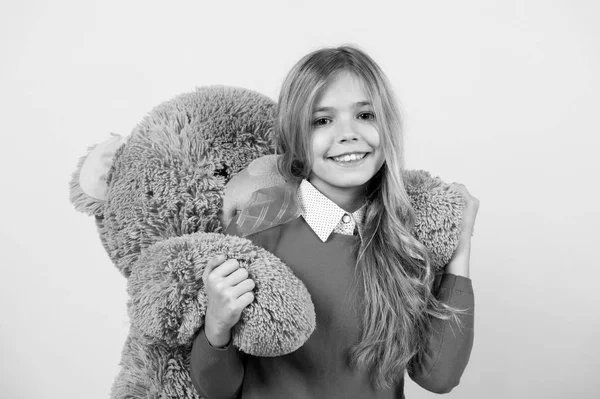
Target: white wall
point(502, 96)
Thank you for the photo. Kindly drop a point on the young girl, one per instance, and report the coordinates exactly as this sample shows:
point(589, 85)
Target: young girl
point(379, 312)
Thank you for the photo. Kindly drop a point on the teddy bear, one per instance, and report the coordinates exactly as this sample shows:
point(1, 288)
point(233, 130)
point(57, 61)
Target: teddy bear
point(162, 197)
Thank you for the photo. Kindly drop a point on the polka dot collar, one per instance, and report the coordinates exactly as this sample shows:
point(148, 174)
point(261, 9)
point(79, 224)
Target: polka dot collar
point(324, 216)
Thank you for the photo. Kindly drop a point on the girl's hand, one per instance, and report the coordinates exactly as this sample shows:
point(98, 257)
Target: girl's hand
point(459, 262)
point(469, 211)
point(229, 291)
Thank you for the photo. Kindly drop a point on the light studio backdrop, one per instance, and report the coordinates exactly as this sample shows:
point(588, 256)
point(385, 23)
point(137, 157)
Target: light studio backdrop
point(502, 96)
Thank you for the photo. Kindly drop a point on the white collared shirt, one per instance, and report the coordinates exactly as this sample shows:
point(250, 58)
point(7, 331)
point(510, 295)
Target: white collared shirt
point(324, 216)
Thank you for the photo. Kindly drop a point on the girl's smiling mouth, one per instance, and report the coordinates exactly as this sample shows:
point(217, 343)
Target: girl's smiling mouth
point(349, 157)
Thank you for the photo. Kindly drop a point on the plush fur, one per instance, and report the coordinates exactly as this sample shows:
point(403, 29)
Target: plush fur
point(438, 209)
point(160, 221)
point(168, 302)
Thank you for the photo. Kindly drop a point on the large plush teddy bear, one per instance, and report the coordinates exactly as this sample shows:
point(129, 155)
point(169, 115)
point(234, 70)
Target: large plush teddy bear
point(161, 198)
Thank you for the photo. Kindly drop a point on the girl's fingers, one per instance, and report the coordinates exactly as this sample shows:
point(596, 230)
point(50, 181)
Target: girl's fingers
point(463, 189)
point(214, 262)
point(226, 268)
point(246, 299)
point(243, 287)
point(222, 270)
point(236, 277)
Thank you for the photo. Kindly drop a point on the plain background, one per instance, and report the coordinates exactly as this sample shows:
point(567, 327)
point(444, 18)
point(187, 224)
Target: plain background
point(499, 95)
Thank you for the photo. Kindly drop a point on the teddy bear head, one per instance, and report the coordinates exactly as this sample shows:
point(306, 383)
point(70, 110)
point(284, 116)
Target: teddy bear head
point(167, 178)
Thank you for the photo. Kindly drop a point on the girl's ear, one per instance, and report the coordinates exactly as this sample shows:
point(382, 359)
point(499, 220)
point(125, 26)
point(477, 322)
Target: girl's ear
point(88, 188)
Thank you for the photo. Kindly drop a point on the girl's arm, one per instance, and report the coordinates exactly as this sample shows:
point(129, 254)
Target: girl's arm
point(459, 263)
point(216, 367)
point(439, 367)
point(216, 372)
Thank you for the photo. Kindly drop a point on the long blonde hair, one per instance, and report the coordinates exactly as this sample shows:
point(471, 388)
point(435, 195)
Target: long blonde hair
point(392, 266)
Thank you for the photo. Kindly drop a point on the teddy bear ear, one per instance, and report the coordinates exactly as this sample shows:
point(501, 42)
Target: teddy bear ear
point(88, 186)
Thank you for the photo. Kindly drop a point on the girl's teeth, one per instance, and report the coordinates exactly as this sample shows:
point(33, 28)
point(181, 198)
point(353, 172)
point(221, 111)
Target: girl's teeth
point(349, 157)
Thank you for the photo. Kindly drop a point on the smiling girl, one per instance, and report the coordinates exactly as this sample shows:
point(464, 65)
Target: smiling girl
point(379, 311)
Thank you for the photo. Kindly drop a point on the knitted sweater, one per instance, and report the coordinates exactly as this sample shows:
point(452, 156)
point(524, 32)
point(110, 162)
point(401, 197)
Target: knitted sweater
point(320, 368)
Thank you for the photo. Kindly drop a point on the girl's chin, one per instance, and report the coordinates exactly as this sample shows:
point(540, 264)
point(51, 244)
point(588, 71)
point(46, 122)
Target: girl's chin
point(350, 181)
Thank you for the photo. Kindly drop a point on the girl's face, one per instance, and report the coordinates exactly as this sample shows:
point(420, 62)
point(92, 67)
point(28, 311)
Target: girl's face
point(344, 140)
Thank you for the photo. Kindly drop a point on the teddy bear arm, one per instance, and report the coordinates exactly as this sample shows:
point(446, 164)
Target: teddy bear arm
point(168, 301)
point(438, 210)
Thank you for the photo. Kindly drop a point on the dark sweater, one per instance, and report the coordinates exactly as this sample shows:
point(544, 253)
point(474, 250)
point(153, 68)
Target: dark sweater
point(320, 368)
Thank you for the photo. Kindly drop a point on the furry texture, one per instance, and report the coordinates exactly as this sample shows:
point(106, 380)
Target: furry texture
point(81, 201)
point(168, 299)
point(165, 184)
point(160, 224)
point(438, 210)
point(167, 181)
point(153, 371)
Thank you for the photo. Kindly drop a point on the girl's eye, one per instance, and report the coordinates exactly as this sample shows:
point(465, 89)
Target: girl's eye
point(368, 116)
point(321, 122)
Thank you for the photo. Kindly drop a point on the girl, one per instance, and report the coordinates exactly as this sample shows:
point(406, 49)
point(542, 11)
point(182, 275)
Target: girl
point(379, 311)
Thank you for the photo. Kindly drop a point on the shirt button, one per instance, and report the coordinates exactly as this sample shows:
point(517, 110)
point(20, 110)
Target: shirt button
point(346, 218)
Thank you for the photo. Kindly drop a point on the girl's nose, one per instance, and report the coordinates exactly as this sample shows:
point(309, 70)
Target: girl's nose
point(347, 133)
point(348, 138)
